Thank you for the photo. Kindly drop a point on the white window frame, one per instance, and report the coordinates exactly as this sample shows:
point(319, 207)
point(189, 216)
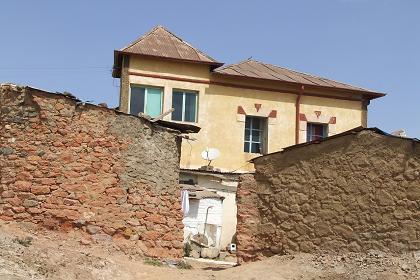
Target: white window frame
point(183, 91)
point(145, 96)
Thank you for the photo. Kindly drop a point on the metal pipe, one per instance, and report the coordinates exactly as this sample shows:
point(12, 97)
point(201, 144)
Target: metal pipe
point(302, 88)
point(205, 222)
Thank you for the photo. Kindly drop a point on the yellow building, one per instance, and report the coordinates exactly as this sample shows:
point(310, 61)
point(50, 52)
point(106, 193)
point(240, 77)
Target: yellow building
point(244, 109)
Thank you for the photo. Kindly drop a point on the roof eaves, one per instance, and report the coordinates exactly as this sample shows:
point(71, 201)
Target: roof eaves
point(116, 69)
point(369, 94)
point(216, 64)
point(318, 77)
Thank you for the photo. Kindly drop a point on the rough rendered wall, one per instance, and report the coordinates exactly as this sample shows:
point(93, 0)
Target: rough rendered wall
point(352, 193)
point(67, 165)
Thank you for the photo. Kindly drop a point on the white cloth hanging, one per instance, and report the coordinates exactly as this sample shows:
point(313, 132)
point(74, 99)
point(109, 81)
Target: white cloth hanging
point(185, 202)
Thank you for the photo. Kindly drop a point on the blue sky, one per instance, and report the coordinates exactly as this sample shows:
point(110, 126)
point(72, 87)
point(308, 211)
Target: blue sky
point(68, 45)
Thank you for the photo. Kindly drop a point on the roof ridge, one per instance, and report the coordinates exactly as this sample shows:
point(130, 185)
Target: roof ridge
point(253, 60)
point(233, 64)
point(266, 66)
point(141, 37)
point(174, 45)
point(254, 68)
point(197, 51)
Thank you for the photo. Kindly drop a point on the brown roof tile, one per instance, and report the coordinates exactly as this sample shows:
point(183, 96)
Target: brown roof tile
point(160, 42)
point(163, 43)
point(256, 69)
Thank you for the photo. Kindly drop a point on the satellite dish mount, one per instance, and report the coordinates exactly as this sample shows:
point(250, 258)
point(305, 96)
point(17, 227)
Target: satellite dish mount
point(210, 154)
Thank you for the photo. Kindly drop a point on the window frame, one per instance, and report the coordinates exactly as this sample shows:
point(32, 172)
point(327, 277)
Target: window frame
point(162, 93)
point(184, 91)
point(263, 135)
point(309, 134)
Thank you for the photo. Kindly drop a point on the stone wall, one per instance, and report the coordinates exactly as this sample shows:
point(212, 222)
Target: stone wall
point(66, 164)
point(354, 192)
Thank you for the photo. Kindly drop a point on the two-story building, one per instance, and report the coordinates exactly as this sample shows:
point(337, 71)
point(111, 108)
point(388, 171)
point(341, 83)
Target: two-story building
point(243, 109)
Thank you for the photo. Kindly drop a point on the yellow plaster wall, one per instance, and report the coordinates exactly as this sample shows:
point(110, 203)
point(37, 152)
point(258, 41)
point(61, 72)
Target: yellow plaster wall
point(222, 130)
point(217, 113)
point(348, 113)
point(168, 67)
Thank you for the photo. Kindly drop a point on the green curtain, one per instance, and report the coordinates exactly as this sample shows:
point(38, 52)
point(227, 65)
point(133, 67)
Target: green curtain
point(154, 102)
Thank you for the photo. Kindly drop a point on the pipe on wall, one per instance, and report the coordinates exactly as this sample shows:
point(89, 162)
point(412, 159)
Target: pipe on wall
point(302, 88)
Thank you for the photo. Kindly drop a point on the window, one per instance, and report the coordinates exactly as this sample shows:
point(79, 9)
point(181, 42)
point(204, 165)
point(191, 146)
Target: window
point(146, 100)
point(255, 134)
point(316, 131)
point(185, 105)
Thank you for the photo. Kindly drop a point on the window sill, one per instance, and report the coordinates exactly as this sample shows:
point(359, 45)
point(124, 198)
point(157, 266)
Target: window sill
point(259, 154)
point(184, 122)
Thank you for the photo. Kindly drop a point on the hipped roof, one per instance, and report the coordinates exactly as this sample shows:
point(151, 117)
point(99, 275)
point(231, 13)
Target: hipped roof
point(251, 68)
point(160, 42)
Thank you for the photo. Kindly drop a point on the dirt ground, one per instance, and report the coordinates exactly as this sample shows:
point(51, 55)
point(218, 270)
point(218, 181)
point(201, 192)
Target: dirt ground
point(29, 253)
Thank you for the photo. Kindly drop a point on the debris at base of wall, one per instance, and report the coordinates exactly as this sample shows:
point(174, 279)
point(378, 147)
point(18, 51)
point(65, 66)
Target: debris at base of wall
point(195, 245)
point(198, 248)
point(209, 253)
point(200, 240)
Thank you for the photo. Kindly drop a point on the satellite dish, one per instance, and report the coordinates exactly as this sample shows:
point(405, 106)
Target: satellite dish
point(210, 154)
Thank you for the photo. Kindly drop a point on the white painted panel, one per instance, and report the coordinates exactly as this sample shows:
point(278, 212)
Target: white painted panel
point(196, 217)
point(198, 209)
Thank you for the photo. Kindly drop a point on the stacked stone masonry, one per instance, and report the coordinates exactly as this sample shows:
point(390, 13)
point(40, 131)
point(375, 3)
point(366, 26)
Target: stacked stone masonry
point(352, 193)
point(66, 164)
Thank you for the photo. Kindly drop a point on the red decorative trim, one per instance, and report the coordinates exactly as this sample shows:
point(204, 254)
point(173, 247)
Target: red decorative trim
point(317, 113)
point(257, 106)
point(166, 77)
point(366, 93)
point(273, 114)
point(302, 117)
point(241, 110)
point(333, 120)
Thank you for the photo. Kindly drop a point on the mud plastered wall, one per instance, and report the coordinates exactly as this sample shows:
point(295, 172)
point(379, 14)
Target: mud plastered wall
point(353, 193)
point(65, 165)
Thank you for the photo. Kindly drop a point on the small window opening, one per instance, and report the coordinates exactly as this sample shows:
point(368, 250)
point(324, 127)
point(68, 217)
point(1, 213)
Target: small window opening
point(316, 131)
point(255, 140)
